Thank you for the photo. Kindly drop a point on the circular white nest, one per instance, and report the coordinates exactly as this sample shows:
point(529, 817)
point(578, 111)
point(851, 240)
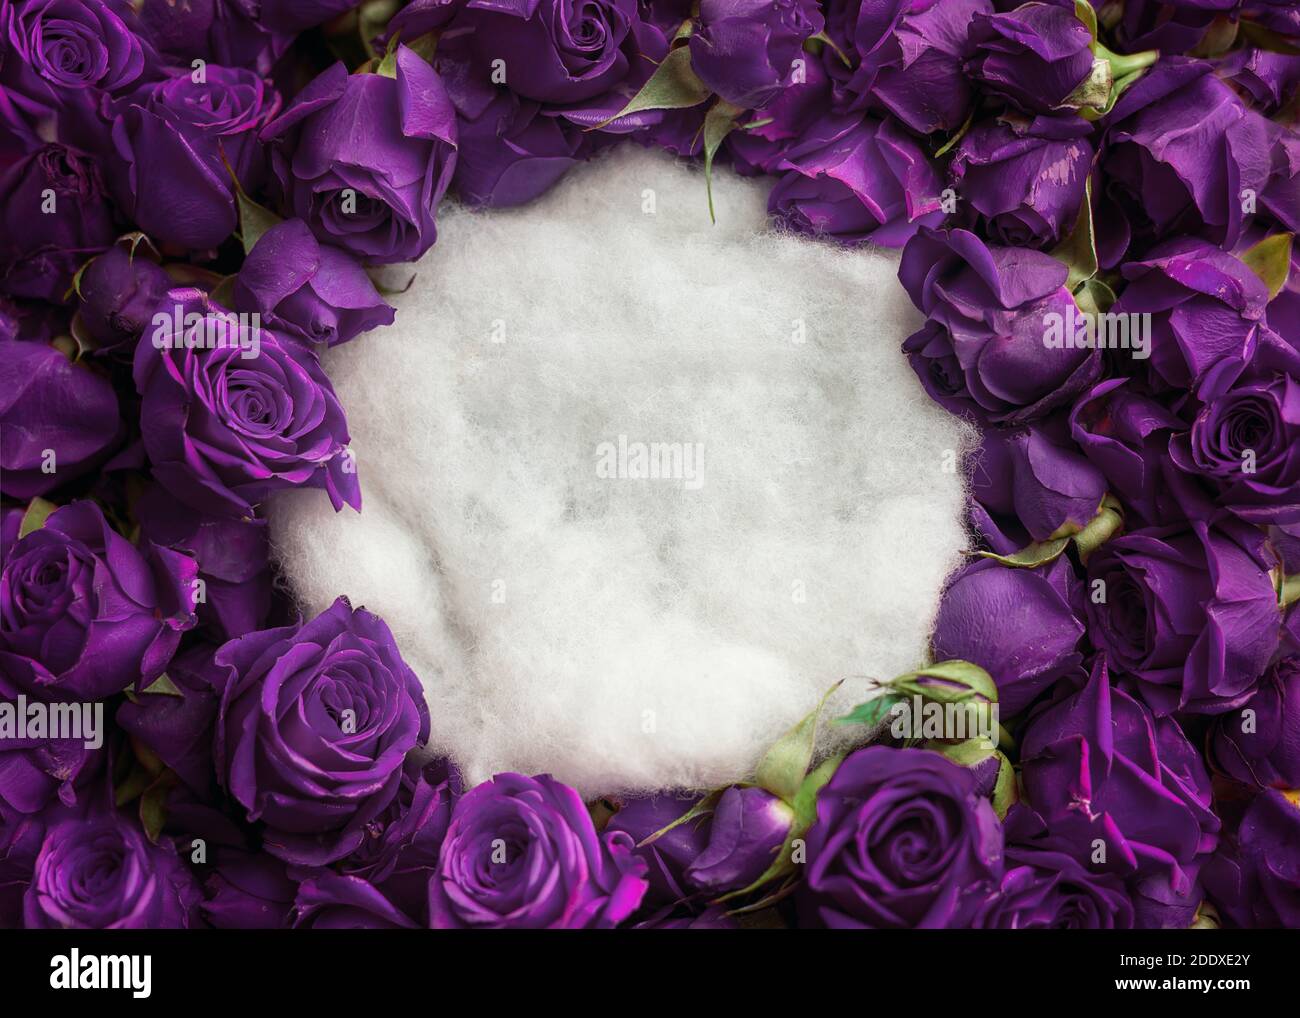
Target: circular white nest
point(618, 631)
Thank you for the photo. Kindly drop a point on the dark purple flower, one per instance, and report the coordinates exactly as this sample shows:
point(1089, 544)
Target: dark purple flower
point(1269, 79)
point(232, 33)
point(53, 216)
point(233, 557)
point(231, 412)
point(364, 159)
point(552, 51)
point(759, 149)
point(1034, 56)
point(667, 856)
point(119, 291)
point(292, 16)
point(1020, 625)
point(36, 771)
point(856, 179)
point(84, 613)
point(1025, 178)
point(1281, 198)
point(1172, 28)
point(1182, 154)
point(248, 891)
point(58, 419)
point(1125, 432)
point(1189, 613)
point(335, 901)
point(745, 50)
point(314, 723)
point(1259, 742)
point(747, 828)
point(523, 852)
point(173, 140)
point(101, 872)
point(1031, 484)
point(1255, 880)
point(986, 349)
point(901, 840)
point(906, 58)
point(1126, 792)
point(1046, 888)
point(308, 290)
point(64, 51)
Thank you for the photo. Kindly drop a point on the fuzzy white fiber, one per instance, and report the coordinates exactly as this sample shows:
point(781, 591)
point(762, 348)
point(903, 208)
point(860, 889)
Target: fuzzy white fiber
point(627, 633)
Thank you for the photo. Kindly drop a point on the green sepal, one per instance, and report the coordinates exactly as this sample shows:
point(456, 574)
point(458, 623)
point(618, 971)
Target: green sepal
point(947, 146)
point(1270, 260)
point(38, 511)
point(947, 682)
point(873, 712)
point(163, 686)
point(785, 765)
point(254, 219)
point(1078, 251)
point(701, 808)
point(1031, 556)
point(387, 66)
point(1288, 590)
point(718, 123)
point(673, 86)
point(1101, 528)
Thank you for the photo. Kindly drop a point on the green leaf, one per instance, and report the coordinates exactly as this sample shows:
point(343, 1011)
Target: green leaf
point(1031, 556)
point(38, 511)
point(718, 123)
point(1079, 250)
point(783, 769)
point(1270, 260)
point(673, 86)
point(871, 713)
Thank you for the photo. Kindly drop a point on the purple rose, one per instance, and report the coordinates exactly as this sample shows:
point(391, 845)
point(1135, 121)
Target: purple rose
point(119, 291)
point(668, 856)
point(901, 840)
point(744, 50)
point(1033, 57)
point(84, 613)
point(53, 216)
point(1269, 79)
point(1189, 613)
point(314, 723)
point(856, 179)
point(58, 419)
point(364, 159)
point(1126, 434)
point(1259, 743)
point(231, 412)
point(248, 891)
point(1207, 311)
point(986, 349)
point(233, 558)
point(334, 901)
point(1025, 178)
point(907, 59)
point(1183, 154)
point(523, 853)
point(59, 51)
point(1020, 625)
point(232, 33)
point(34, 771)
point(759, 149)
point(293, 16)
point(1255, 880)
point(173, 140)
point(308, 290)
point(1046, 888)
point(1126, 791)
point(1031, 484)
point(553, 51)
point(101, 872)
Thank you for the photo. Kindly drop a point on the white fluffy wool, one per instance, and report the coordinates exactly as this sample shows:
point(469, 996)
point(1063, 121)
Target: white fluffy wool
point(621, 633)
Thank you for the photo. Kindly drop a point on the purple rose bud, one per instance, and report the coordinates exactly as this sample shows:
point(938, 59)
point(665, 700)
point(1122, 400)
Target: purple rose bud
point(308, 290)
point(1125, 792)
point(1126, 434)
point(119, 291)
point(523, 853)
point(1259, 742)
point(1024, 178)
point(667, 856)
point(53, 216)
point(65, 51)
point(988, 347)
point(100, 872)
point(747, 828)
point(314, 723)
point(172, 141)
point(1020, 625)
point(856, 179)
point(1254, 881)
point(1189, 613)
point(84, 613)
point(233, 558)
point(58, 419)
point(901, 840)
point(1034, 56)
point(231, 412)
point(552, 51)
point(1045, 888)
point(364, 159)
point(1183, 154)
point(745, 50)
point(906, 58)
